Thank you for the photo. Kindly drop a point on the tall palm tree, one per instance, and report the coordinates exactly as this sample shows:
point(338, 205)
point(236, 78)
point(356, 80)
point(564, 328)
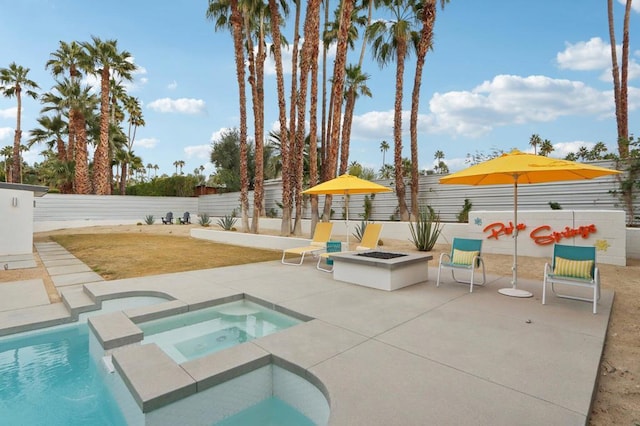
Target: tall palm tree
point(390, 41)
point(51, 132)
point(71, 57)
point(307, 59)
point(135, 120)
point(70, 98)
point(546, 148)
point(339, 71)
point(285, 228)
point(215, 11)
point(384, 147)
point(426, 13)
point(106, 61)
point(620, 77)
point(13, 80)
point(356, 85)
point(535, 141)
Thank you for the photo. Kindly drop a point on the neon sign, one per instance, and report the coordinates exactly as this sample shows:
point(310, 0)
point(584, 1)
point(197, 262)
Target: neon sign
point(542, 235)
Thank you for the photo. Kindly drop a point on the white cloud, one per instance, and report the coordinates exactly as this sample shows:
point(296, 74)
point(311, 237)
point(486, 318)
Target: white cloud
point(198, 151)
point(5, 133)
point(173, 85)
point(634, 6)
point(182, 105)
point(509, 99)
point(9, 113)
point(147, 142)
point(217, 135)
point(594, 54)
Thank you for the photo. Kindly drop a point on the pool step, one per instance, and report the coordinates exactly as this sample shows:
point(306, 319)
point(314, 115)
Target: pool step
point(77, 300)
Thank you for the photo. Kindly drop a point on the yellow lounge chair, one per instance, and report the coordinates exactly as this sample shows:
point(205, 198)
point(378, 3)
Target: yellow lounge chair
point(321, 235)
point(369, 241)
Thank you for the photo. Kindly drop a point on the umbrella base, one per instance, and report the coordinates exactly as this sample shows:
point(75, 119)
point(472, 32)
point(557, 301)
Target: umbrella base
point(515, 292)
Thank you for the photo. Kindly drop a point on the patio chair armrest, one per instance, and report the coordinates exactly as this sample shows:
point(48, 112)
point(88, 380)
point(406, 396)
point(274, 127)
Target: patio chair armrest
point(443, 255)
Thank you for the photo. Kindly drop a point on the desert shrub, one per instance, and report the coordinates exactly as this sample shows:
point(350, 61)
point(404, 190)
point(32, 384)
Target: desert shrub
point(204, 220)
point(227, 222)
point(463, 216)
point(149, 219)
point(426, 230)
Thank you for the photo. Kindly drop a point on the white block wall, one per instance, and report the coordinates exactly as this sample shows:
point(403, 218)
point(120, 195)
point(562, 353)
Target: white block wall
point(16, 222)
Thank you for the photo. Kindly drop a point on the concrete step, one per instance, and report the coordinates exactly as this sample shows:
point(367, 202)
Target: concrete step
point(78, 301)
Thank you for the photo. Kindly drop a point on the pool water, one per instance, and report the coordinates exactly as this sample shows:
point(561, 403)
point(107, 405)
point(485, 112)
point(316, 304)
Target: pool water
point(198, 333)
point(48, 378)
point(270, 412)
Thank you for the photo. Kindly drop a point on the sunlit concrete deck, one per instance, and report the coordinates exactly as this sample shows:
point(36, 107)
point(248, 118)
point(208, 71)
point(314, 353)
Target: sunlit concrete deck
point(417, 355)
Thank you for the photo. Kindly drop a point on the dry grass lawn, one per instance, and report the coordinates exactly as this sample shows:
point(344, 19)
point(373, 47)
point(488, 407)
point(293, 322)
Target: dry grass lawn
point(116, 256)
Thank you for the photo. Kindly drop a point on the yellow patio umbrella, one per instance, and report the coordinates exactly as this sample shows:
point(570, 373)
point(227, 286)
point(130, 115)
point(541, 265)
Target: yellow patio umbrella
point(520, 168)
point(345, 185)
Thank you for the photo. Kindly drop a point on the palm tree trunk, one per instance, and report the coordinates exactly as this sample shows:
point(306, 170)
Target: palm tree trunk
point(82, 182)
point(397, 133)
point(624, 106)
point(337, 91)
point(236, 25)
point(101, 155)
point(16, 170)
point(428, 18)
point(285, 228)
point(346, 131)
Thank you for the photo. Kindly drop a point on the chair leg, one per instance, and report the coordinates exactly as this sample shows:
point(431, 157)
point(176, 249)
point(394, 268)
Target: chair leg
point(544, 290)
point(471, 281)
point(595, 299)
point(438, 279)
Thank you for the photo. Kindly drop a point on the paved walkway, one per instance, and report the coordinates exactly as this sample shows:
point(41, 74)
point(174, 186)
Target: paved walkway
point(415, 356)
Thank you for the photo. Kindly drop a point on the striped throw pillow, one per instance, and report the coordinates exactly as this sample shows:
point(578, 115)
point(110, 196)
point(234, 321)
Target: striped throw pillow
point(573, 268)
point(461, 257)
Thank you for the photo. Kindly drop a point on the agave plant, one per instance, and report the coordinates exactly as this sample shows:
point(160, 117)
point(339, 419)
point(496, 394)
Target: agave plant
point(204, 220)
point(359, 231)
point(227, 222)
point(426, 230)
point(149, 219)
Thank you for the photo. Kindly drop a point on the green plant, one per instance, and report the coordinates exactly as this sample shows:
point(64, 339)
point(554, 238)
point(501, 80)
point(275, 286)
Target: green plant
point(272, 212)
point(359, 232)
point(149, 219)
point(463, 216)
point(426, 230)
point(368, 207)
point(204, 220)
point(227, 222)
point(554, 205)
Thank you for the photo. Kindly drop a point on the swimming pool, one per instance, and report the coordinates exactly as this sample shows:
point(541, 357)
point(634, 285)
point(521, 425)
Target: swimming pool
point(202, 332)
point(49, 378)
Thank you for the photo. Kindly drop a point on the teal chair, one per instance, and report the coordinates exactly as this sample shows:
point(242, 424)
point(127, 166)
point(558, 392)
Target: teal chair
point(576, 266)
point(466, 255)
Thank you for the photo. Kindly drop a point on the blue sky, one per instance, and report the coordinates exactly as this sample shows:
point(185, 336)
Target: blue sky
point(499, 72)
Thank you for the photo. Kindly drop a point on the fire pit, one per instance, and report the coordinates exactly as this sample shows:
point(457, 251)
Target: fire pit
point(382, 270)
point(381, 254)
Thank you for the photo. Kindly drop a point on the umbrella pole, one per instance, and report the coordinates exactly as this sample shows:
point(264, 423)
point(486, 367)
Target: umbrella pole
point(346, 222)
point(513, 291)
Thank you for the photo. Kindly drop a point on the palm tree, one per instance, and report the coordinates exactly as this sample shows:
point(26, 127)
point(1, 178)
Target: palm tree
point(535, 140)
point(285, 228)
point(426, 13)
point(69, 56)
point(132, 106)
point(80, 104)
point(384, 147)
point(390, 40)
point(181, 164)
point(337, 92)
point(51, 133)
point(546, 148)
point(176, 164)
point(106, 61)
point(7, 152)
point(155, 170)
point(13, 80)
point(307, 59)
point(620, 77)
point(214, 12)
point(356, 82)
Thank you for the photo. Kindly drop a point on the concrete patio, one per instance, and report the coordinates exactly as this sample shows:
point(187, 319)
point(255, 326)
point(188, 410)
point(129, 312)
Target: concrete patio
point(417, 355)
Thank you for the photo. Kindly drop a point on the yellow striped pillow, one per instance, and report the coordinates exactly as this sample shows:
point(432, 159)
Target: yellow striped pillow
point(461, 257)
point(573, 268)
